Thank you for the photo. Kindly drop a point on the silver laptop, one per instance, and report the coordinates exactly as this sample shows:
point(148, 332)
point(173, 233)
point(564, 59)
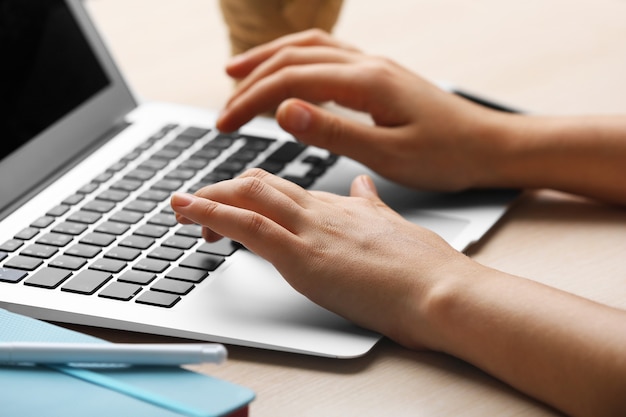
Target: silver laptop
point(87, 235)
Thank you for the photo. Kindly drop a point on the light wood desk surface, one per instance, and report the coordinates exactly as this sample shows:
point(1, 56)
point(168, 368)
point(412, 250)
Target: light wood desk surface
point(555, 56)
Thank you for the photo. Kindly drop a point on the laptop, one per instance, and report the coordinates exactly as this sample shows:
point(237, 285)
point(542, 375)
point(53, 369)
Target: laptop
point(86, 232)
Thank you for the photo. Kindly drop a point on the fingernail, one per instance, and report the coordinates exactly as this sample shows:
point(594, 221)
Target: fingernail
point(182, 199)
point(237, 59)
point(296, 118)
point(367, 181)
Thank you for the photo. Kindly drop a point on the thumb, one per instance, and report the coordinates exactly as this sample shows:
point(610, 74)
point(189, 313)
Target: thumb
point(315, 126)
point(363, 186)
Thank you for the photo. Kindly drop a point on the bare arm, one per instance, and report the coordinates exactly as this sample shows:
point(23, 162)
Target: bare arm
point(360, 259)
point(559, 348)
point(422, 137)
point(584, 155)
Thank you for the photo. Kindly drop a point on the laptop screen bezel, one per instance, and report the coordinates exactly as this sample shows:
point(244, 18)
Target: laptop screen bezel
point(58, 147)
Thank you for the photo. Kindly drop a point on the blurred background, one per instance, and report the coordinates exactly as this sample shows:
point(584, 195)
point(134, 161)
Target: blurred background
point(545, 56)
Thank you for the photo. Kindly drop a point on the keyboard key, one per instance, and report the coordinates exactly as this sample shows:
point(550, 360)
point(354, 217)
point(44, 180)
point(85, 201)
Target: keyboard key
point(116, 167)
point(138, 242)
point(27, 263)
point(163, 219)
point(68, 262)
point(159, 299)
point(88, 188)
point(104, 177)
point(48, 278)
point(167, 185)
point(70, 228)
point(120, 291)
point(180, 174)
point(194, 132)
point(123, 254)
point(27, 233)
point(137, 277)
point(151, 230)
point(151, 265)
point(244, 155)
point(97, 239)
point(73, 199)
point(166, 254)
point(86, 217)
point(55, 239)
point(113, 195)
point(187, 274)
point(140, 174)
point(142, 206)
point(12, 275)
point(180, 242)
point(153, 164)
point(172, 286)
point(154, 195)
point(108, 265)
point(87, 282)
point(59, 210)
point(43, 222)
point(39, 251)
point(272, 167)
point(11, 245)
point(231, 167)
point(126, 185)
point(128, 217)
point(167, 154)
point(192, 164)
point(83, 251)
point(202, 261)
point(287, 152)
point(180, 142)
point(224, 247)
point(207, 155)
point(216, 176)
point(190, 230)
point(257, 144)
point(99, 206)
point(220, 142)
point(112, 228)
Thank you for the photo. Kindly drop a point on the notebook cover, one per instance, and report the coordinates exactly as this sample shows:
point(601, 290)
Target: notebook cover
point(66, 391)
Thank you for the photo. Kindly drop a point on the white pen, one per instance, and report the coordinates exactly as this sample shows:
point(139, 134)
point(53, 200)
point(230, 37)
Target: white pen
point(111, 353)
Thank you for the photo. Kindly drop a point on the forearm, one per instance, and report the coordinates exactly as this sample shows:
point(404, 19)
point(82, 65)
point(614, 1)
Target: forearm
point(581, 155)
point(562, 349)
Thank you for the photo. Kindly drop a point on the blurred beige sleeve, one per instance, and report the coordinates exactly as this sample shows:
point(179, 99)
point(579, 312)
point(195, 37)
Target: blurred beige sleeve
point(254, 22)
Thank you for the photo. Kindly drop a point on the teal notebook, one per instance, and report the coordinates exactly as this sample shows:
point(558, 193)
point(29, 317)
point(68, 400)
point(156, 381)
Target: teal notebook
point(134, 391)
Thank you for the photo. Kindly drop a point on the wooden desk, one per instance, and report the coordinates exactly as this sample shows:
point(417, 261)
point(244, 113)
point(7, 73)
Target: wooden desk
point(550, 57)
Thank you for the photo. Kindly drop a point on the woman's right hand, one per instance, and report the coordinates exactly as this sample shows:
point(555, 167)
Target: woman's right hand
point(422, 137)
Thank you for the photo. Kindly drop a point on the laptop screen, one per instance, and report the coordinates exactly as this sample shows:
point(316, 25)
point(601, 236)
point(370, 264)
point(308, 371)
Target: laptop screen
point(59, 91)
point(48, 68)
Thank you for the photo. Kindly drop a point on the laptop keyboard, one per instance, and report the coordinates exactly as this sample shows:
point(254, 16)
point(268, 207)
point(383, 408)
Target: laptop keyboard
point(116, 237)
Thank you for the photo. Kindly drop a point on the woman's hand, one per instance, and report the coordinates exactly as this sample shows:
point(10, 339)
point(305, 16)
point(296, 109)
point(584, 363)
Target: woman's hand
point(422, 136)
point(352, 255)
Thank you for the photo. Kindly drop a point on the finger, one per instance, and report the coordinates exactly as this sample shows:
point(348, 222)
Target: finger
point(293, 191)
point(256, 232)
point(291, 56)
point(343, 84)
point(241, 65)
point(256, 192)
point(363, 186)
point(340, 135)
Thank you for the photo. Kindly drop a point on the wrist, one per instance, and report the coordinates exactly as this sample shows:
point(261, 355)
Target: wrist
point(435, 301)
point(502, 149)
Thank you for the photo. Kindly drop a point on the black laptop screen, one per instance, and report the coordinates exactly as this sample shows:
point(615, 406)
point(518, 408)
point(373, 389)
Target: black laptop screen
point(47, 70)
